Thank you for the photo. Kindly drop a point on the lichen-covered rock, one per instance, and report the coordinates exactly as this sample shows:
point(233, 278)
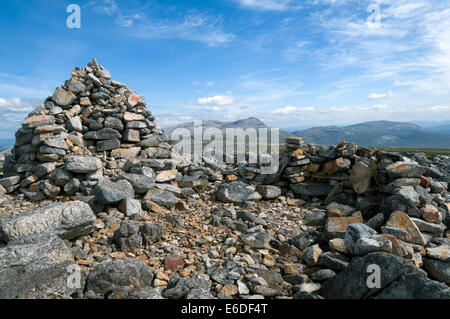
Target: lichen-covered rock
point(108, 276)
point(67, 220)
point(37, 267)
point(114, 192)
point(80, 164)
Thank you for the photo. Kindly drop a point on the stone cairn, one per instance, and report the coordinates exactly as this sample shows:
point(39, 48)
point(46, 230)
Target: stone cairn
point(82, 136)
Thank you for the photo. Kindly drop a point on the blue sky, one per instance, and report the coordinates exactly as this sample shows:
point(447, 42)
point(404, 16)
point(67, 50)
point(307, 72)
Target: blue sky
point(290, 63)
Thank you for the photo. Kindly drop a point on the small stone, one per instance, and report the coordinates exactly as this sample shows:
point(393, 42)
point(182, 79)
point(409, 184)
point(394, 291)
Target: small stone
point(130, 207)
point(75, 124)
point(360, 177)
point(166, 176)
point(338, 245)
point(405, 169)
point(130, 117)
point(430, 213)
point(242, 288)
point(173, 263)
point(84, 101)
point(126, 153)
point(269, 192)
point(133, 99)
point(311, 255)
point(127, 237)
point(131, 136)
point(338, 165)
point(63, 97)
point(229, 290)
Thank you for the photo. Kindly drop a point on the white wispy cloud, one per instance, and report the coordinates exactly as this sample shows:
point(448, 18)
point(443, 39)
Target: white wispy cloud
point(218, 100)
point(274, 5)
point(379, 96)
point(191, 25)
point(292, 110)
point(18, 105)
point(438, 108)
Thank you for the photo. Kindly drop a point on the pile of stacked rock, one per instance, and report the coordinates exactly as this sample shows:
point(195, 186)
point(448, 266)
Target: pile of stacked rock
point(82, 136)
point(372, 201)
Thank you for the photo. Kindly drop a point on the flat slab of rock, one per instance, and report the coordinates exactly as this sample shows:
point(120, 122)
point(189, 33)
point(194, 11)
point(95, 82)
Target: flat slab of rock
point(405, 169)
point(67, 220)
point(36, 267)
point(82, 164)
point(126, 153)
point(313, 189)
point(337, 226)
point(441, 252)
point(166, 176)
point(39, 120)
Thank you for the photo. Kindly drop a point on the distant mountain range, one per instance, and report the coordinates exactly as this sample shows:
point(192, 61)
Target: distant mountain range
point(375, 133)
point(251, 122)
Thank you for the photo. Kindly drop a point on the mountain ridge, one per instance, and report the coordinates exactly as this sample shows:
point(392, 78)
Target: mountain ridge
point(377, 133)
point(381, 133)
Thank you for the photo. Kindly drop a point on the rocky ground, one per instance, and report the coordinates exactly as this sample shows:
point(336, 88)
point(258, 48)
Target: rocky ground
point(94, 203)
point(202, 248)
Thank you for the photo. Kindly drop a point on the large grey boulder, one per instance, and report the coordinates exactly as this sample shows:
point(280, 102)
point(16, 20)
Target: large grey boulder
point(151, 233)
point(114, 192)
point(67, 220)
point(161, 197)
point(110, 276)
point(398, 279)
point(128, 237)
point(141, 183)
point(236, 193)
point(40, 266)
